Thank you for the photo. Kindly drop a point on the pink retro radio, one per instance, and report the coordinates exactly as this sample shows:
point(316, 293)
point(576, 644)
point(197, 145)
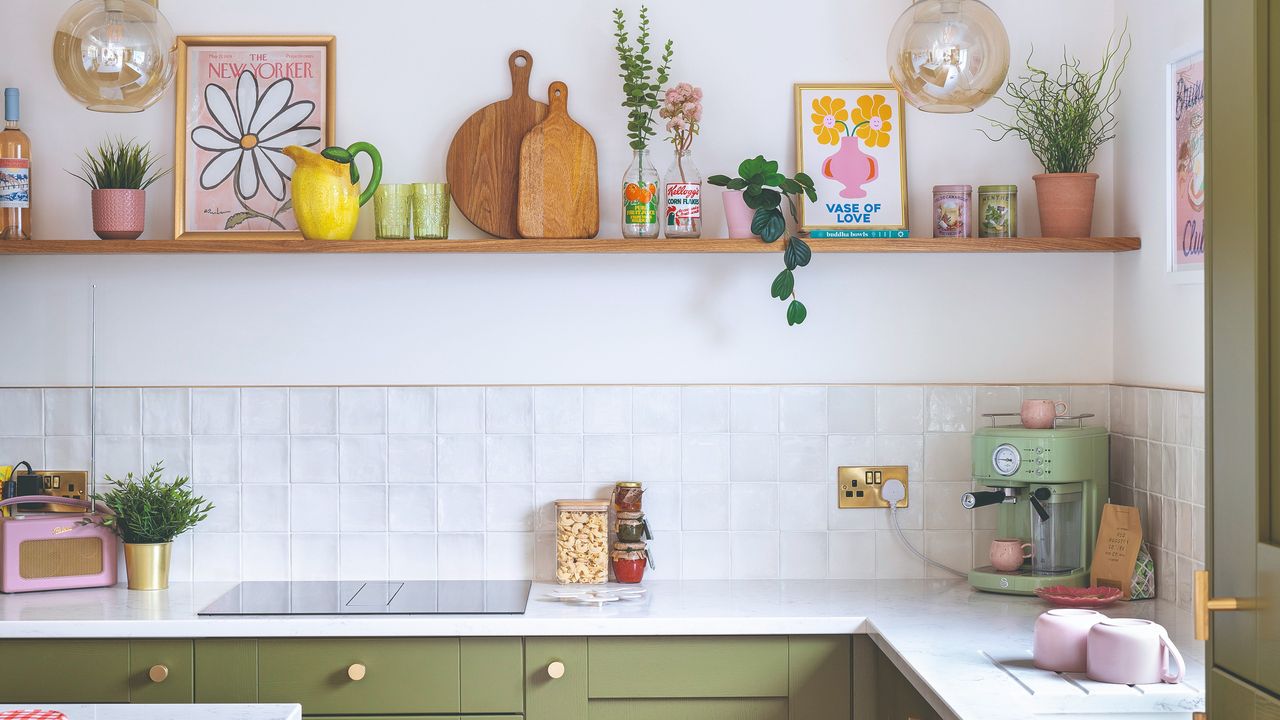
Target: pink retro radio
point(55, 551)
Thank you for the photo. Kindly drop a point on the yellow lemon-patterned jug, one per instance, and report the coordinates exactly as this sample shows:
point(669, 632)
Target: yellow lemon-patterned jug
point(326, 190)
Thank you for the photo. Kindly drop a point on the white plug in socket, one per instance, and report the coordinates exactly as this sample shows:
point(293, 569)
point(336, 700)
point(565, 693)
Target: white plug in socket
point(893, 491)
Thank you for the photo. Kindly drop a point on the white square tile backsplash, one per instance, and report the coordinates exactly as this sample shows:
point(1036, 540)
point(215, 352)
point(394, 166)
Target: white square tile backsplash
point(457, 482)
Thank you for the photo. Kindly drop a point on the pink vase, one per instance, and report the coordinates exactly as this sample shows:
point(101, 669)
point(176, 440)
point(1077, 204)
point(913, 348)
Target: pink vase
point(851, 167)
point(737, 214)
point(119, 214)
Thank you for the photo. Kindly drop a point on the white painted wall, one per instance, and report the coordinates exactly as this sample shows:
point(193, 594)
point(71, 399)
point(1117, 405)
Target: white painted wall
point(410, 72)
point(1159, 322)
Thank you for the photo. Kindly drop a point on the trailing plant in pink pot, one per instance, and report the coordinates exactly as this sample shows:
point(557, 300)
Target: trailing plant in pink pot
point(118, 173)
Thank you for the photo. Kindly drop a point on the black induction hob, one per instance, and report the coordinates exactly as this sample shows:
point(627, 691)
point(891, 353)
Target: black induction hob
point(414, 597)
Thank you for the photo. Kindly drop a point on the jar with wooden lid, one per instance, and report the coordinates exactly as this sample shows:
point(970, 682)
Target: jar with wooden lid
point(582, 542)
point(627, 496)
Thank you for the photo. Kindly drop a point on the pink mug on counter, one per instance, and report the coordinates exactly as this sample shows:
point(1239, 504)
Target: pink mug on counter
point(1040, 414)
point(1131, 651)
point(1007, 554)
point(1061, 639)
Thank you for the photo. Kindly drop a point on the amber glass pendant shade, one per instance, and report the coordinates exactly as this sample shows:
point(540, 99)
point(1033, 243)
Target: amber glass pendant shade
point(948, 56)
point(114, 55)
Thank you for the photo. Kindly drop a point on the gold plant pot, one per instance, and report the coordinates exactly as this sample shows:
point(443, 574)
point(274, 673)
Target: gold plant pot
point(147, 565)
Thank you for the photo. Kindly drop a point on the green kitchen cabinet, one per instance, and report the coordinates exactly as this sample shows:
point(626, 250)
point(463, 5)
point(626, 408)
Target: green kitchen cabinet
point(896, 697)
point(64, 671)
point(687, 667)
point(490, 675)
point(555, 678)
point(226, 670)
point(161, 671)
point(343, 676)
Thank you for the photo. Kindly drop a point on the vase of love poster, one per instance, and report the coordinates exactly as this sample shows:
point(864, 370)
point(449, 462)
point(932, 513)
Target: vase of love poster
point(850, 141)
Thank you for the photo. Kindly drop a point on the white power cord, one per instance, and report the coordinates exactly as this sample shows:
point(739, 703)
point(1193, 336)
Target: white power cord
point(894, 492)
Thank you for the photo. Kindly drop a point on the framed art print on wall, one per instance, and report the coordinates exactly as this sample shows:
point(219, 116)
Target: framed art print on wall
point(849, 139)
point(240, 101)
point(1187, 235)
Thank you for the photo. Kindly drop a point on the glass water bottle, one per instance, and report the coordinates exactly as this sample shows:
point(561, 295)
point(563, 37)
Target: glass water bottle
point(683, 210)
point(640, 197)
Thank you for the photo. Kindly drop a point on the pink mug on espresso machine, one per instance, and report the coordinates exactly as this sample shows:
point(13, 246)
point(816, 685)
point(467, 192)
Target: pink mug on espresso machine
point(1040, 414)
point(56, 551)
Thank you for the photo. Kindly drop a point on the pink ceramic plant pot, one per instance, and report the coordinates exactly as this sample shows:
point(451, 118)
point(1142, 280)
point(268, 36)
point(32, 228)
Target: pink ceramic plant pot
point(851, 167)
point(737, 214)
point(1061, 639)
point(119, 214)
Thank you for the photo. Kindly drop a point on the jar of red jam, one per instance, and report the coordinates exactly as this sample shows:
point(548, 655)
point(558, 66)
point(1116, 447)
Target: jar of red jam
point(629, 560)
point(627, 496)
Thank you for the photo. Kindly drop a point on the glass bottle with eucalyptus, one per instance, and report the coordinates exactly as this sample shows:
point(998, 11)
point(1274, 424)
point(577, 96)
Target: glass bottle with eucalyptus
point(682, 109)
point(641, 81)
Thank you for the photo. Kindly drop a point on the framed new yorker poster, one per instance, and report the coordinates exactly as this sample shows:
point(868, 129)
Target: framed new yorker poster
point(241, 101)
point(1186, 113)
point(849, 139)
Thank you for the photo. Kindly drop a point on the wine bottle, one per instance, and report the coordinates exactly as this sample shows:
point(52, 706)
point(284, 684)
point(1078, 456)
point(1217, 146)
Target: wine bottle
point(15, 174)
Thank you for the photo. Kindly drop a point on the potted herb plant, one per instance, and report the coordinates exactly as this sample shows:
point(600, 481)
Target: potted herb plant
point(119, 172)
point(1065, 117)
point(147, 514)
point(641, 81)
point(763, 189)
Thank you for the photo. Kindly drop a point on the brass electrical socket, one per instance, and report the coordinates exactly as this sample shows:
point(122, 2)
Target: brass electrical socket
point(860, 487)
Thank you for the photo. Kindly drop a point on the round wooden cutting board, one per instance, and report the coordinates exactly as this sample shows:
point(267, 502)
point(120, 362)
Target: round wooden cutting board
point(483, 166)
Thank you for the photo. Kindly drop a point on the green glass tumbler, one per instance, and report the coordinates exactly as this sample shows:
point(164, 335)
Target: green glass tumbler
point(392, 211)
point(431, 210)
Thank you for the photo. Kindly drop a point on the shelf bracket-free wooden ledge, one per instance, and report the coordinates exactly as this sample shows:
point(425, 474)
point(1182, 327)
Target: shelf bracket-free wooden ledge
point(660, 245)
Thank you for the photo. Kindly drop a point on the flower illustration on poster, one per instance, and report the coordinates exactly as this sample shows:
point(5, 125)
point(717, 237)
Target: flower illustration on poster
point(850, 142)
point(240, 107)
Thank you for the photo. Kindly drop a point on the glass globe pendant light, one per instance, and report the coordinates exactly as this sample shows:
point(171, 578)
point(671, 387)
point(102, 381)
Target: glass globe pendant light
point(948, 56)
point(114, 55)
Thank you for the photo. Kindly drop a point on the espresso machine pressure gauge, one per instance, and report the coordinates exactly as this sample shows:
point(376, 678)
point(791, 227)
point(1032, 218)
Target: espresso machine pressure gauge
point(1006, 459)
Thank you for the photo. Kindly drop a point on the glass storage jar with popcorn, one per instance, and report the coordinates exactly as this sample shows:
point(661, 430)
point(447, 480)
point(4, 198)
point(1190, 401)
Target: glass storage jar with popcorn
point(582, 542)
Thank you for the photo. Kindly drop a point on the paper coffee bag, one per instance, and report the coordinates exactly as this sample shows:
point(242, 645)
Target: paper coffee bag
point(1115, 556)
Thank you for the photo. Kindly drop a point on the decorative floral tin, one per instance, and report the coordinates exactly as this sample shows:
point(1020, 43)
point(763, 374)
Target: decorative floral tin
point(951, 210)
point(997, 211)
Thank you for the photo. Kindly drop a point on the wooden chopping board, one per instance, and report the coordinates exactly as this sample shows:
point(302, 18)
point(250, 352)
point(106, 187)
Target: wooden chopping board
point(559, 195)
point(483, 166)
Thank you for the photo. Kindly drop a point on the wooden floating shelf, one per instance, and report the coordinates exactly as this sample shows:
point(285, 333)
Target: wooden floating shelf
point(660, 245)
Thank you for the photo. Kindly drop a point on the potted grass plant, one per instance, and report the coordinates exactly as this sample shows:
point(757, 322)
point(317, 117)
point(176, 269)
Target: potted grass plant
point(1065, 116)
point(147, 514)
point(119, 172)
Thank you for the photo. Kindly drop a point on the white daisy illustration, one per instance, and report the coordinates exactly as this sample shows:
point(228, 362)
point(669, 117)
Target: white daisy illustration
point(250, 135)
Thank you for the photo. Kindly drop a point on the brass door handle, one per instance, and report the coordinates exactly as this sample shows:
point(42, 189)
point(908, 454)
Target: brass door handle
point(1205, 604)
point(555, 670)
point(356, 671)
point(158, 673)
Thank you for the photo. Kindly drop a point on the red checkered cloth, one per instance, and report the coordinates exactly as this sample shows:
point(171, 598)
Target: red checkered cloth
point(31, 715)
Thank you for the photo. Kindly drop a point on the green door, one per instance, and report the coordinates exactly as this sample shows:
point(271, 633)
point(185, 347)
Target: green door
point(1243, 310)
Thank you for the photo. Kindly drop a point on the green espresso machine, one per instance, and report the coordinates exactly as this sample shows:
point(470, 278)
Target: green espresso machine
point(1049, 487)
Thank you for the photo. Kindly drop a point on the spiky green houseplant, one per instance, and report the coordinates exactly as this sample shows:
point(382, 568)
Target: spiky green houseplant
point(119, 164)
point(148, 510)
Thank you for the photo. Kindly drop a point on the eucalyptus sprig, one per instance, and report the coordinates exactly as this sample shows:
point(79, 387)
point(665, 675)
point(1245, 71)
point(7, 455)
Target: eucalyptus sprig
point(763, 189)
point(1066, 116)
point(119, 164)
point(150, 510)
point(639, 86)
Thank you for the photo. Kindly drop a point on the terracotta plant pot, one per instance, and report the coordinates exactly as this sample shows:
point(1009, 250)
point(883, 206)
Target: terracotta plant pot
point(737, 214)
point(119, 214)
point(1066, 203)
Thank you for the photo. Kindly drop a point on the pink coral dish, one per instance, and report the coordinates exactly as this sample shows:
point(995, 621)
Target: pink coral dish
point(1078, 597)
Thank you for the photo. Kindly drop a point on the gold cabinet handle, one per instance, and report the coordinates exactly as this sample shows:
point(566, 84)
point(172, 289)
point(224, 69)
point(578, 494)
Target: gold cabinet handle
point(158, 673)
point(555, 670)
point(356, 671)
point(1205, 604)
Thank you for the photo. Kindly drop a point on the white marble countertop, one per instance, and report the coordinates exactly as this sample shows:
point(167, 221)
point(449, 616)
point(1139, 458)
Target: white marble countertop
point(169, 712)
point(965, 650)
